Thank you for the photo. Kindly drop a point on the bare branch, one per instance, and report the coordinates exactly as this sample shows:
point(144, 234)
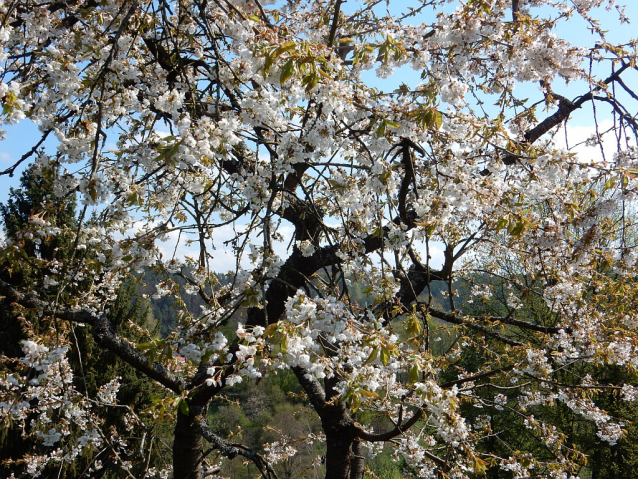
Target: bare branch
point(232, 450)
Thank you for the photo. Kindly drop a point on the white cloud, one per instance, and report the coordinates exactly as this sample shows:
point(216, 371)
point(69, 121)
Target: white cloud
point(582, 141)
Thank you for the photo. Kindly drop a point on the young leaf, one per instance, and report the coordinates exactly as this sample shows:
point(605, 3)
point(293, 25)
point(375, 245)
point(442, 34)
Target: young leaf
point(415, 374)
point(385, 356)
point(287, 71)
point(373, 355)
point(355, 402)
point(283, 49)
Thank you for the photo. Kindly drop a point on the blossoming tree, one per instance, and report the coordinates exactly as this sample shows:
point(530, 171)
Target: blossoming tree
point(201, 117)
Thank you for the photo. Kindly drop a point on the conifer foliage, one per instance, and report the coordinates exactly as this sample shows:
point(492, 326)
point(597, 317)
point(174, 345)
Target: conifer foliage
point(261, 129)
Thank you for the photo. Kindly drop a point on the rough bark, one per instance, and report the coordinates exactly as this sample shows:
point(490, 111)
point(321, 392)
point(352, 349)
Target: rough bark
point(188, 448)
point(340, 439)
point(358, 461)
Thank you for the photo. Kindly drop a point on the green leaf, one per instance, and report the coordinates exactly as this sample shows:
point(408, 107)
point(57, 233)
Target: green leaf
point(480, 466)
point(373, 355)
point(324, 74)
point(378, 232)
point(427, 118)
point(167, 152)
point(368, 394)
point(415, 374)
point(398, 52)
point(438, 119)
point(381, 129)
point(518, 228)
point(134, 199)
point(92, 191)
point(287, 71)
point(183, 407)
point(502, 223)
point(609, 184)
point(283, 49)
point(385, 356)
point(355, 402)
point(206, 356)
point(356, 58)
point(267, 64)
point(270, 330)
point(412, 325)
point(144, 346)
point(310, 80)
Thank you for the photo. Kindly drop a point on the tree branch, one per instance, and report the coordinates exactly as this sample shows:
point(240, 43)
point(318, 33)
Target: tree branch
point(315, 392)
point(386, 436)
point(335, 23)
point(103, 332)
point(484, 375)
point(231, 450)
point(454, 319)
point(11, 170)
point(565, 108)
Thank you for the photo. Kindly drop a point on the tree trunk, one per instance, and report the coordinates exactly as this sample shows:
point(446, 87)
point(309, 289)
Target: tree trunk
point(343, 455)
point(338, 455)
point(358, 463)
point(187, 449)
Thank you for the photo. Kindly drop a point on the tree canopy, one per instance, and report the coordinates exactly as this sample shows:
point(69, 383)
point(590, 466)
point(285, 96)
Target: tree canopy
point(262, 130)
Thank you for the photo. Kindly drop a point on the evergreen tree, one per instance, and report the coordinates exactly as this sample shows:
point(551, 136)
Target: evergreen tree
point(36, 198)
point(33, 199)
point(94, 366)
